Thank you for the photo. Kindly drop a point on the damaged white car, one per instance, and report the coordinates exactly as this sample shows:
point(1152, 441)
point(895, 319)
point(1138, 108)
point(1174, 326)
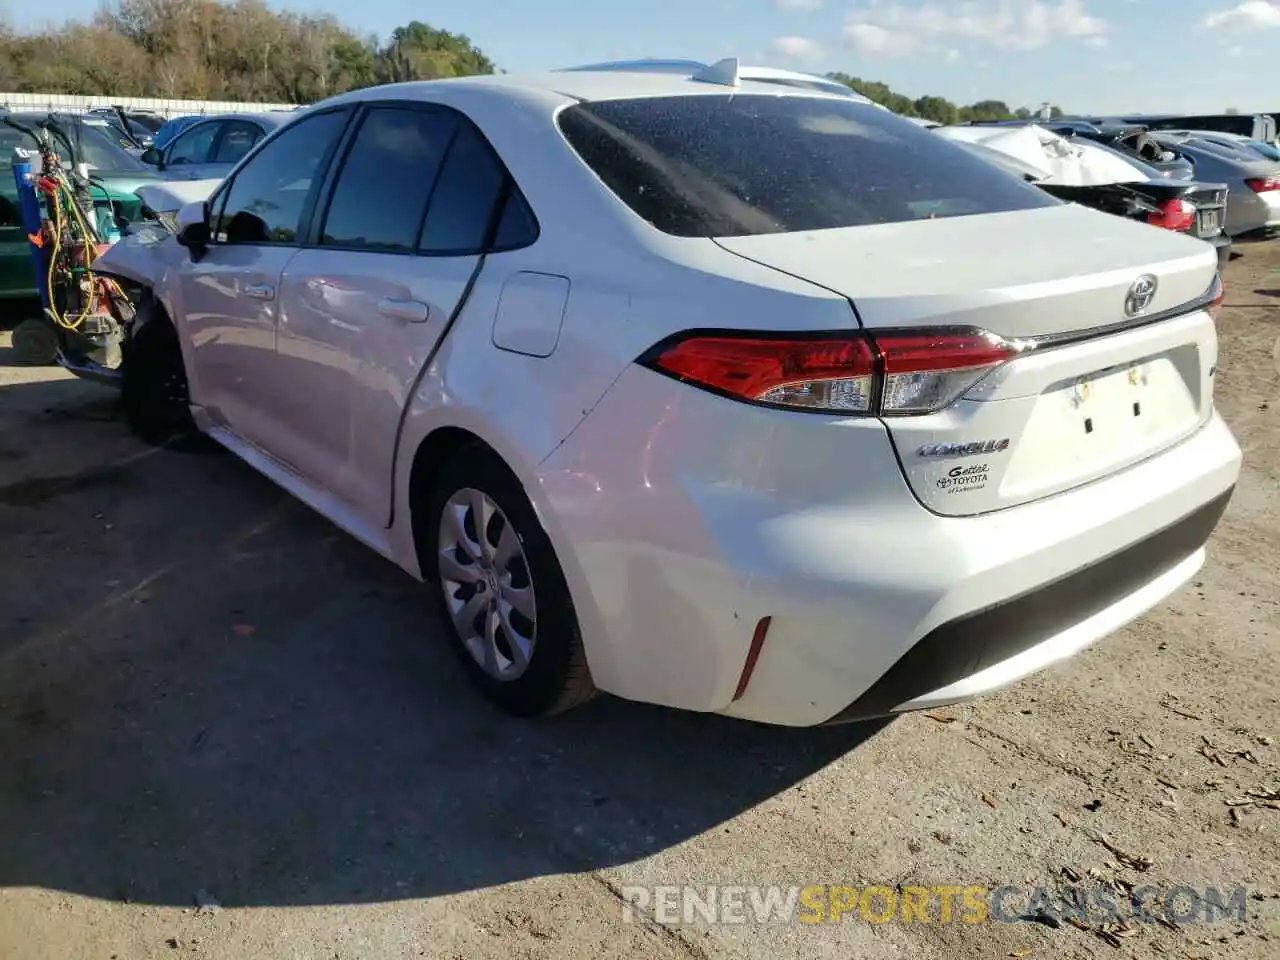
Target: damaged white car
point(697, 389)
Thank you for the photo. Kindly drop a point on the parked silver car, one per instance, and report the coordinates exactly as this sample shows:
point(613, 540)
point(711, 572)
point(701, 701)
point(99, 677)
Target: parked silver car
point(1253, 204)
point(209, 148)
point(1267, 151)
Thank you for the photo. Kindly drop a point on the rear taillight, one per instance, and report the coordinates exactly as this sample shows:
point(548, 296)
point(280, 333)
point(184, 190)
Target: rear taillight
point(1217, 293)
point(886, 373)
point(1264, 184)
point(1177, 215)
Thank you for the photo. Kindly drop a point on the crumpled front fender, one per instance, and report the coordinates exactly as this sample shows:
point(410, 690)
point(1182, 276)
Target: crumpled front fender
point(170, 196)
point(145, 257)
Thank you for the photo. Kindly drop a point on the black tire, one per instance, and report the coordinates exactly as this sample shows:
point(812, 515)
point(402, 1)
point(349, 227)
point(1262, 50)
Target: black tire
point(153, 384)
point(35, 342)
point(557, 677)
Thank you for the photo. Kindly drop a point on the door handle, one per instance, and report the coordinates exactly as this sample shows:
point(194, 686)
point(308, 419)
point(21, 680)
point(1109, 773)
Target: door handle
point(260, 291)
point(410, 311)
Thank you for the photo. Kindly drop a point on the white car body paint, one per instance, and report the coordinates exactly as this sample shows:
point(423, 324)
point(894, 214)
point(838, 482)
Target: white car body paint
point(682, 518)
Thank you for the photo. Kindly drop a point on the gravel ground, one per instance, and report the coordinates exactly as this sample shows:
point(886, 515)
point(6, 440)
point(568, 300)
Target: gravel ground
point(226, 730)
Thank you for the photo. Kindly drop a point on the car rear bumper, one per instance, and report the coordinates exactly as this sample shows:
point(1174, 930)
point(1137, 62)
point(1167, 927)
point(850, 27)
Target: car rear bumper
point(1253, 215)
point(1222, 244)
point(986, 650)
point(684, 520)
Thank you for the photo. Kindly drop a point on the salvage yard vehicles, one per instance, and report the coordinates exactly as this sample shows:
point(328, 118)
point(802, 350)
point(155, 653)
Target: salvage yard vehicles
point(700, 390)
point(1253, 205)
point(212, 146)
point(1104, 177)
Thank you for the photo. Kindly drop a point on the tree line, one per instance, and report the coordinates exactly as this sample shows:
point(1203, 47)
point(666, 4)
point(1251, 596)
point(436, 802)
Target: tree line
point(938, 109)
point(243, 50)
point(239, 50)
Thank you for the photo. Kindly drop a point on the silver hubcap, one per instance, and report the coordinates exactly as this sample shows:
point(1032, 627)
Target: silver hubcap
point(486, 583)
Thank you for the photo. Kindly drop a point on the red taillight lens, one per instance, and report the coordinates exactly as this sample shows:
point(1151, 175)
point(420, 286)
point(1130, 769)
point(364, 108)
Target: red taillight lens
point(1264, 184)
point(889, 373)
point(1217, 293)
point(1178, 215)
point(817, 373)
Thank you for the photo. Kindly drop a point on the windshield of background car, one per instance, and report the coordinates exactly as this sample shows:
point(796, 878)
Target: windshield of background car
point(96, 149)
point(742, 164)
point(99, 149)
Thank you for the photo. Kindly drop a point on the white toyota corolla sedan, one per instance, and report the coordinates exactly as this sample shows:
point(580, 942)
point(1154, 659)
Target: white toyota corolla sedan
point(697, 389)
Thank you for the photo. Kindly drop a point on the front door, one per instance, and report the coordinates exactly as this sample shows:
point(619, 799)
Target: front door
point(190, 155)
point(230, 298)
point(230, 308)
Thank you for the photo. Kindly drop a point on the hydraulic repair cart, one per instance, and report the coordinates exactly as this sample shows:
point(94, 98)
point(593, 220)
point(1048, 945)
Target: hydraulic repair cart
point(67, 228)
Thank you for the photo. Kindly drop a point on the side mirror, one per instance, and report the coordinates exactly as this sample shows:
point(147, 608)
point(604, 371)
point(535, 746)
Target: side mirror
point(193, 228)
point(151, 157)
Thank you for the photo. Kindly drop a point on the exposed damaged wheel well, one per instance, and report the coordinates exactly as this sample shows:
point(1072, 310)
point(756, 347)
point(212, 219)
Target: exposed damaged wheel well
point(434, 451)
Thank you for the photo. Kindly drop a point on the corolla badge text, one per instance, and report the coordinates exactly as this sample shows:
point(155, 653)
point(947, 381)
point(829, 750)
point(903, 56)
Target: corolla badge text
point(973, 449)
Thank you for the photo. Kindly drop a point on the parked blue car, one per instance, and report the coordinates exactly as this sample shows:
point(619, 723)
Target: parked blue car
point(171, 129)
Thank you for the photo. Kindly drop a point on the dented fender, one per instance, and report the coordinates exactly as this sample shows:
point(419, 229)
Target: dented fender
point(170, 196)
point(146, 257)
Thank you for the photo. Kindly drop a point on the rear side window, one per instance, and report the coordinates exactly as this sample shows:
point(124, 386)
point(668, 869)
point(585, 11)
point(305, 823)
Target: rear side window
point(386, 178)
point(738, 165)
point(465, 199)
point(238, 138)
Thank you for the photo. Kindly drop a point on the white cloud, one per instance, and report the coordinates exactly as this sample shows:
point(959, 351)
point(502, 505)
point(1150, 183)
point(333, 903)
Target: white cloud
point(798, 4)
point(877, 41)
point(953, 55)
point(893, 28)
point(1252, 13)
point(796, 48)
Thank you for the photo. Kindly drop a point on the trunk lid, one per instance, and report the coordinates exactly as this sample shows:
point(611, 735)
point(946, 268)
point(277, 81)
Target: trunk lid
point(1099, 391)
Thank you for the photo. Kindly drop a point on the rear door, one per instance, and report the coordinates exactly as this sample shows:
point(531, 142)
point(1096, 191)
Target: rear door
point(360, 310)
point(412, 211)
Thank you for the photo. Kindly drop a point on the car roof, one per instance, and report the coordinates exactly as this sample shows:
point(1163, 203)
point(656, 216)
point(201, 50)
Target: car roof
point(266, 118)
point(730, 69)
point(606, 82)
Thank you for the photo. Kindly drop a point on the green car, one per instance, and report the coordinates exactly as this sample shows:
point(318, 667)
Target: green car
point(117, 174)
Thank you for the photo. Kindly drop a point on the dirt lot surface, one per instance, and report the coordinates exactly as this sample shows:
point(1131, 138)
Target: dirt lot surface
point(227, 730)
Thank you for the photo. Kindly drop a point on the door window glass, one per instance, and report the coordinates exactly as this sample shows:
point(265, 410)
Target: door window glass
point(386, 178)
point(268, 196)
point(193, 146)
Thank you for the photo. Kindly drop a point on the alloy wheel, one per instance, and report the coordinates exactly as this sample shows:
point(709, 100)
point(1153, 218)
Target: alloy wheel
point(488, 590)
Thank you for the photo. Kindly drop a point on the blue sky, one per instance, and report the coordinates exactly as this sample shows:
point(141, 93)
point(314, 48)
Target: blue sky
point(1087, 55)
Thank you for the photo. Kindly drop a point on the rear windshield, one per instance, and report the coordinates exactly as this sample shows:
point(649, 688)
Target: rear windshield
point(738, 165)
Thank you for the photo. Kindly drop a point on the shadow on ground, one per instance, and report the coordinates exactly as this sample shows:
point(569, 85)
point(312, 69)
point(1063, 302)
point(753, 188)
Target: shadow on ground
point(204, 686)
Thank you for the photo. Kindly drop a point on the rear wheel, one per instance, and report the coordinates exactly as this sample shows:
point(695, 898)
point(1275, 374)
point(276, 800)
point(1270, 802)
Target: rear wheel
point(154, 384)
point(502, 593)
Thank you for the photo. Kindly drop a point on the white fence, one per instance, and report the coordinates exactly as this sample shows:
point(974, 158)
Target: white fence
point(67, 103)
